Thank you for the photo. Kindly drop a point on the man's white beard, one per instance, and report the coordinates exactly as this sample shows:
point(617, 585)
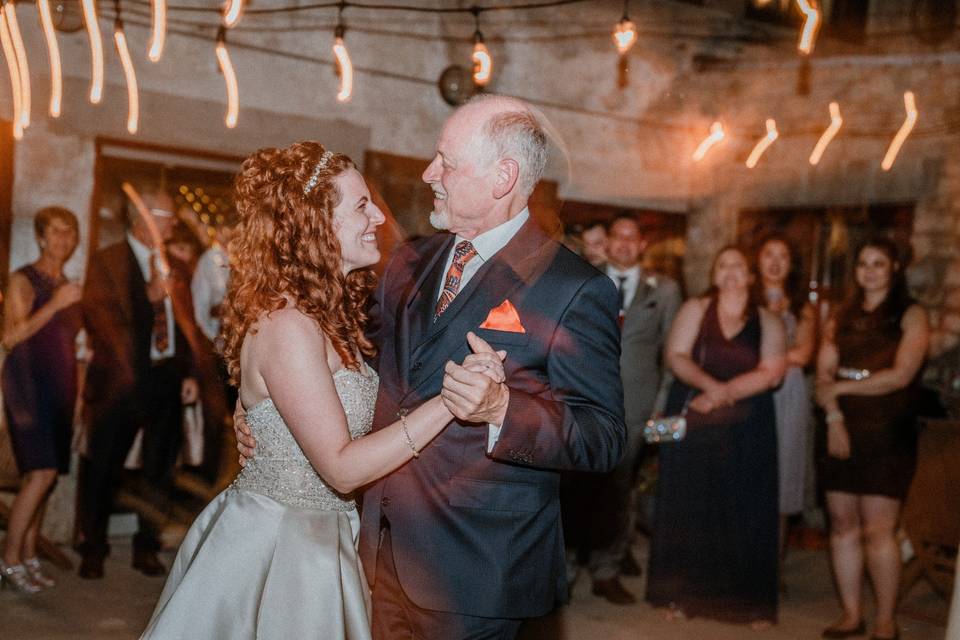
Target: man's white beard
point(439, 221)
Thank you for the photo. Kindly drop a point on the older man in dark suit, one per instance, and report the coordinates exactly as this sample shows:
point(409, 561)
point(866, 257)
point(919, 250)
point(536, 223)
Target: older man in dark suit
point(139, 319)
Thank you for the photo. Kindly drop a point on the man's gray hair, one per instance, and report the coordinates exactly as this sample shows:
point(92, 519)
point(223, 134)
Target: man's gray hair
point(517, 133)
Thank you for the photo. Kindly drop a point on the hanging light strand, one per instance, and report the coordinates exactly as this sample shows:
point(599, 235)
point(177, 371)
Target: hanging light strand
point(129, 73)
point(232, 12)
point(14, 72)
point(811, 24)
point(53, 54)
point(716, 137)
point(909, 103)
point(96, 50)
point(344, 65)
point(625, 32)
point(158, 29)
point(835, 123)
point(23, 69)
point(763, 144)
point(230, 79)
point(482, 60)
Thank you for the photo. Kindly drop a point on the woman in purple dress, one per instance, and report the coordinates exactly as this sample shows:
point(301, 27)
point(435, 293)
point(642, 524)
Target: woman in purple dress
point(39, 379)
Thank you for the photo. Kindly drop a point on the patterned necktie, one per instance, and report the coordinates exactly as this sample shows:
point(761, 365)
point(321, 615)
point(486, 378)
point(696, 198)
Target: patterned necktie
point(451, 285)
point(161, 333)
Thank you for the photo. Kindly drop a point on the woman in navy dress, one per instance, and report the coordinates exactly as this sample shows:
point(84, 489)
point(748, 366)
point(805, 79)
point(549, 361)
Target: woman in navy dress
point(713, 551)
point(39, 380)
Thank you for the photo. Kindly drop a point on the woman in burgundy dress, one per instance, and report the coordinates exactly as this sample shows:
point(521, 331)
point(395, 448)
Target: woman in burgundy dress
point(867, 371)
point(41, 321)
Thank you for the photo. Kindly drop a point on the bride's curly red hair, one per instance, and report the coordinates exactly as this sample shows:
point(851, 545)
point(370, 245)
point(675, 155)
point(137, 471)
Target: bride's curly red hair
point(285, 248)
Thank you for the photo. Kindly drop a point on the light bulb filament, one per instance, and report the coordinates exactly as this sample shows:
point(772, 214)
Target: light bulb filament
point(715, 137)
point(764, 143)
point(910, 104)
point(96, 50)
point(14, 71)
point(158, 33)
point(811, 23)
point(625, 35)
point(230, 79)
point(232, 13)
point(53, 53)
point(133, 97)
point(835, 123)
point(344, 69)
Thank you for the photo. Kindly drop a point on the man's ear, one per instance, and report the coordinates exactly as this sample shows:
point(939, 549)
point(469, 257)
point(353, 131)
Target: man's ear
point(508, 171)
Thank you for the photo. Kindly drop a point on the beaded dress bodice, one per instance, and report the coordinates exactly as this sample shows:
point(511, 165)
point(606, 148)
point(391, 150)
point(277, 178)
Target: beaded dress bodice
point(279, 469)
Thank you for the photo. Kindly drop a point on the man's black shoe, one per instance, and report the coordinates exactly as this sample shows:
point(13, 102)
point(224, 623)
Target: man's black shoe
point(147, 563)
point(613, 591)
point(629, 566)
point(91, 567)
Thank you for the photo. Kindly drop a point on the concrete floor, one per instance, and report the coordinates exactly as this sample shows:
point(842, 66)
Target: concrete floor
point(119, 606)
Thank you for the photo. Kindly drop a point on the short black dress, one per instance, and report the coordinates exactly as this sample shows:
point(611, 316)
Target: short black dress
point(883, 436)
point(713, 551)
point(39, 382)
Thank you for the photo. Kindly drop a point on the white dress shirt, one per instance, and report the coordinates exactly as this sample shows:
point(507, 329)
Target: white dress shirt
point(486, 245)
point(144, 254)
point(209, 287)
point(631, 281)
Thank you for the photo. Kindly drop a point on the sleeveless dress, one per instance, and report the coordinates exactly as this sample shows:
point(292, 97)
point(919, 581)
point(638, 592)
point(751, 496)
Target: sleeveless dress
point(883, 436)
point(39, 382)
point(792, 404)
point(713, 550)
point(274, 555)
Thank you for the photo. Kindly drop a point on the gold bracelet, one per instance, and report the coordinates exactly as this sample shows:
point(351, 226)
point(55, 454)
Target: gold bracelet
point(402, 414)
point(833, 417)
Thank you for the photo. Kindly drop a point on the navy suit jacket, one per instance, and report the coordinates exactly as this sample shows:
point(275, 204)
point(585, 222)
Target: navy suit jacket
point(479, 533)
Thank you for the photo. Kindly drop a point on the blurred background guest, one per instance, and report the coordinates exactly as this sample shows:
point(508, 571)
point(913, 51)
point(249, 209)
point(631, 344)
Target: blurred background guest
point(785, 296)
point(41, 322)
point(713, 550)
point(868, 368)
point(184, 246)
point(594, 240)
point(209, 284)
point(138, 314)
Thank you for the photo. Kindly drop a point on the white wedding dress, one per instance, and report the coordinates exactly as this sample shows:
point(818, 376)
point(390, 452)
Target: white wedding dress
point(274, 556)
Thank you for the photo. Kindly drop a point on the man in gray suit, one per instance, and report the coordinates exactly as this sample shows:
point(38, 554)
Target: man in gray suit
point(648, 304)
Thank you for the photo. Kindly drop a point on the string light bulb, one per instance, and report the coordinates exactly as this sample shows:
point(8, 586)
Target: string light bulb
point(835, 123)
point(811, 24)
point(625, 32)
point(96, 50)
point(344, 65)
point(133, 96)
point(53, 55)
point(158, 31)
point(909, 103)
point(14, 71)
point(13, 27)
point(716, 136)
point(482, 60)
point(763, 144)
point(232, 12)
point(230, 79)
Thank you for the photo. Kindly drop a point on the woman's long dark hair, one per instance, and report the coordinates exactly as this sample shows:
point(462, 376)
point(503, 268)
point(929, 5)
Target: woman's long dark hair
point(898, 296)
point(793, 286)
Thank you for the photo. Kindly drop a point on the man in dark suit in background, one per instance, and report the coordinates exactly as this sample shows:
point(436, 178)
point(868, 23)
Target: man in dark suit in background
point(601, 509)
point(466, 540)
point(139, 319)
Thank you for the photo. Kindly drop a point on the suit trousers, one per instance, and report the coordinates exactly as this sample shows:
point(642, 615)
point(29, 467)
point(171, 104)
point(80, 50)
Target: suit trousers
point(395, 617)
point(158, 410)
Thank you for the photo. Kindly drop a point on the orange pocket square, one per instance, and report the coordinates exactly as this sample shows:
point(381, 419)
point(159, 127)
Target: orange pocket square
point(503, 318)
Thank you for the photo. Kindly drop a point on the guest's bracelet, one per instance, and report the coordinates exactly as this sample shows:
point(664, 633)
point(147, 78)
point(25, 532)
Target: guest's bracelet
point(402, 414)
point(834, 416)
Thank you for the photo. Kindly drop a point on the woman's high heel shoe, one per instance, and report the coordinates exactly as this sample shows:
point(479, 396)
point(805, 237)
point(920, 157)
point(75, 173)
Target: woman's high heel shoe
point(35, 571)
point(16, 577)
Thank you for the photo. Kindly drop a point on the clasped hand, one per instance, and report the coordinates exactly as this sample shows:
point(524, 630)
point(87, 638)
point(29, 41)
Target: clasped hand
point(714, 397)
point(475, 391)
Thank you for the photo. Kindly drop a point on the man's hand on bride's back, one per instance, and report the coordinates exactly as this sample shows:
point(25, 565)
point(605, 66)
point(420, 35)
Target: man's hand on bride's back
point(246, 443)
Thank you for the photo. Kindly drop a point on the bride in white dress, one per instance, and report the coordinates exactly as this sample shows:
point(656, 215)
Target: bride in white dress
point(274, 556)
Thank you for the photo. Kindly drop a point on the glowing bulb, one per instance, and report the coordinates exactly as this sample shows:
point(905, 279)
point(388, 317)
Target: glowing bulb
point(764, 143)
point(911, 106)
point(230, 78)
point(811, 22)
point(96, 50)
point(133, 98)
point(715, 137)
point(158, 32)
point(53, 53)
point(232, 13)
point(23, 68)
point(11, 56)
point(344, 69)
point(482, 62)
point(835, 122)
point(624, 35)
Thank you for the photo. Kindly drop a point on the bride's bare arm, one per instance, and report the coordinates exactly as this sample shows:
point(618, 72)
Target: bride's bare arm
point(291, 357)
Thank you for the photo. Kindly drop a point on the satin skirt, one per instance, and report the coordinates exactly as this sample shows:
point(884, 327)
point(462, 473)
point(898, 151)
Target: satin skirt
point(252, 567)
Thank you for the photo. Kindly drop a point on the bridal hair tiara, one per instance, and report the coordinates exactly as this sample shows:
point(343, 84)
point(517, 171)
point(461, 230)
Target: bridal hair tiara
point(315, 176)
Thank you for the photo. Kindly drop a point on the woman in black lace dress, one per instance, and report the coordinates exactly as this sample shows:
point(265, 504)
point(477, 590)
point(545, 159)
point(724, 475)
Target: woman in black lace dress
point(713, 551)
point(867, 372)
point(41, 321)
